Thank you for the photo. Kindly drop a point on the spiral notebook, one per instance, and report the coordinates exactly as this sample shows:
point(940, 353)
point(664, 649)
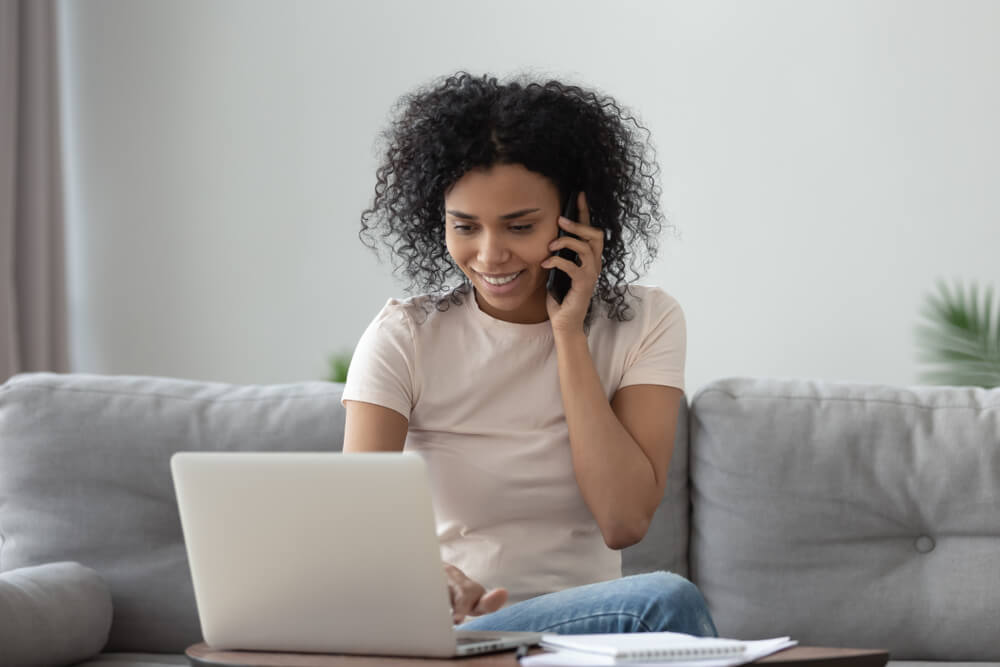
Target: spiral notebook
point(645, 646)
point(669, 648)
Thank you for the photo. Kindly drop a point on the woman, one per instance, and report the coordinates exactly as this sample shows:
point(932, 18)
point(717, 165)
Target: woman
point(547, 425)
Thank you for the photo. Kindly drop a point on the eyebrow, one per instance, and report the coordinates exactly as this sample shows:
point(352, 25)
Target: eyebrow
point(506, 216)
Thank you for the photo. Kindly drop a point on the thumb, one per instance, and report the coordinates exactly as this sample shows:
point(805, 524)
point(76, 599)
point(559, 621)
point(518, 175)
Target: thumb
point(491, 601)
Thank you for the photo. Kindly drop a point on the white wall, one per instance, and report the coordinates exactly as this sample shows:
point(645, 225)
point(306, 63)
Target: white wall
point(824, 162)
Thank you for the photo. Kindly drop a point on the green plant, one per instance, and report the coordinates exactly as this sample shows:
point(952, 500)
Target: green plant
point(338, 365)
point(961, 337)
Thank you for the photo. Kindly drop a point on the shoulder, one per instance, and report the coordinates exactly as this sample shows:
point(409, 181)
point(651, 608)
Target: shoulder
point(650, 300)
point(400, 309)
point(647, 305)
point(395, 318)
point(652, 344)
point(419, 315)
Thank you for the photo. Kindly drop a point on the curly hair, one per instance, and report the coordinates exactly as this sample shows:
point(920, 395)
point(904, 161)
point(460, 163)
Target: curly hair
point(577, 138)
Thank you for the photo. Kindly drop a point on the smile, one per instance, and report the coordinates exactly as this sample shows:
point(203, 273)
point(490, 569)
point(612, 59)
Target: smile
point(499, 280)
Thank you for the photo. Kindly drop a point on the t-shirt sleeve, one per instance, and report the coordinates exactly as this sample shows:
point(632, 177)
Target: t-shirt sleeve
point(660, 353)
point(383, 367)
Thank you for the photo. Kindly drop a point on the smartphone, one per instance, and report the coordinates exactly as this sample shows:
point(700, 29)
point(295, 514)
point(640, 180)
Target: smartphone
point(559, 281)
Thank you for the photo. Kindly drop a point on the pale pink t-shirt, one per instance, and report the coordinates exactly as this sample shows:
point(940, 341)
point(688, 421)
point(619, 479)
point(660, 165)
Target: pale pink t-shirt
point(483, 401)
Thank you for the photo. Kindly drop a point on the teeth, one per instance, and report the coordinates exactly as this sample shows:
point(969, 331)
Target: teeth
point(501, 281)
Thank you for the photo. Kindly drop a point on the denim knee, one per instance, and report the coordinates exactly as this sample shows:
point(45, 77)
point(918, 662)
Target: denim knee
point(675, 604)
point(651, 602)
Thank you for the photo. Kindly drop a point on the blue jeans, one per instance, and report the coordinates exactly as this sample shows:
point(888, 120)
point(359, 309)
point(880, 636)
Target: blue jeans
point(641, 603)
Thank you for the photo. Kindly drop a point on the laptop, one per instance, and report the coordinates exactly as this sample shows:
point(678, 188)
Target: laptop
point(319, 553)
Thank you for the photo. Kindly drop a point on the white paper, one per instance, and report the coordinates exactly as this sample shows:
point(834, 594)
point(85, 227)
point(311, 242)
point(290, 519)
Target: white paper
point(627, 645)
point(755, 650)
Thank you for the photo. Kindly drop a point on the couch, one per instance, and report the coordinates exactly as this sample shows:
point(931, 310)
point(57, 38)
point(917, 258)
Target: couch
point(840, 514)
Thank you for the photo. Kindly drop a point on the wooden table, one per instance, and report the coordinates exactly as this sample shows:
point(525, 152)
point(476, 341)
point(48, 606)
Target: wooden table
point(201, 655)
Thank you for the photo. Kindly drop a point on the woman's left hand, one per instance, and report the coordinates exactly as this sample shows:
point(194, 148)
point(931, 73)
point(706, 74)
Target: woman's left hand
point(569, 316)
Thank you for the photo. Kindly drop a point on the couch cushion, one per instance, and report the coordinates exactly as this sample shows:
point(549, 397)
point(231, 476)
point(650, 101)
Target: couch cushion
point(52, 614)
point(849, 515)
point(85, 476)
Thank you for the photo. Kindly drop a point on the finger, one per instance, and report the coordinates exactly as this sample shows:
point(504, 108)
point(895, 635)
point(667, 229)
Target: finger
point(466, 599)
point(491, 601)
point(457, 584)
point(592, 243)
point(581, 201)
point(585, 232)
point(586, 255)
point(570, 267)
point(454, 593)
point(579, 246)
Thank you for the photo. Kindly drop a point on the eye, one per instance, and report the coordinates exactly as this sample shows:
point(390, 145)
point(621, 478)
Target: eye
point(521, 228)
point(462, 229)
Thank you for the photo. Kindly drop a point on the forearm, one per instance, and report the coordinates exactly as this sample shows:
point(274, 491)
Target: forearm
point(618, 481)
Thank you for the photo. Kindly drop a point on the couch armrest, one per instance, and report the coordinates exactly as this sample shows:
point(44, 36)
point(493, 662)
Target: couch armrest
point(52, 614)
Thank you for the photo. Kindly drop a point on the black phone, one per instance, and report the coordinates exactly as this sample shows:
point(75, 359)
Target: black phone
point(559, 281)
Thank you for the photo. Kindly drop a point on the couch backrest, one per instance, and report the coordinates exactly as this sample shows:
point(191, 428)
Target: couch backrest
point(849, 515)
point(85, 476)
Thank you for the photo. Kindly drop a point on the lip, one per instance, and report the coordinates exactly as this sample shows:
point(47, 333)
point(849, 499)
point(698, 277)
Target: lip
point(500, 289)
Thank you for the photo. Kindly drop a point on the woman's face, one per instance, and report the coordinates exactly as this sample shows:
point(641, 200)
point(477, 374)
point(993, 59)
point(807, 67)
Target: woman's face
point(498, 225)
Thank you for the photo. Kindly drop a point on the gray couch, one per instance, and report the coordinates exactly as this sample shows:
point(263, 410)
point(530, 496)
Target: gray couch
point(839, 514)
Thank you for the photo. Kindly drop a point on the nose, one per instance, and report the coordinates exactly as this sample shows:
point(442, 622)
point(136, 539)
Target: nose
point(493, 250)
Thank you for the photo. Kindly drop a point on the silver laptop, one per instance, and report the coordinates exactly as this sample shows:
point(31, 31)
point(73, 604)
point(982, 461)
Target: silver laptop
point(319, 552)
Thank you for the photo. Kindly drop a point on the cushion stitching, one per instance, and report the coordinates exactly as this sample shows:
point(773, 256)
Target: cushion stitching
point(137, 394)
point(844, 399)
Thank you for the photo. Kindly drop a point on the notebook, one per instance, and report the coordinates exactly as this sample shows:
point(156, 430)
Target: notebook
point(647, 646)
point(319, 553)
point(650, 649)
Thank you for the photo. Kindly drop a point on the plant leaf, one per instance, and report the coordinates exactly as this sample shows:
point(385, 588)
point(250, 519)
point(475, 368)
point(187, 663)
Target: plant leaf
point(961, 336)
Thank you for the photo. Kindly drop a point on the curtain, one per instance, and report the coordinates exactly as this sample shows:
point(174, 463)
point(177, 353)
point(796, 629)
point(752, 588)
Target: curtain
point(33, 317)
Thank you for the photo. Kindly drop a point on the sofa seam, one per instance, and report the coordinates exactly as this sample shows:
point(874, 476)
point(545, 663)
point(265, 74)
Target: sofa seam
point(106, 392)
point(847, 400)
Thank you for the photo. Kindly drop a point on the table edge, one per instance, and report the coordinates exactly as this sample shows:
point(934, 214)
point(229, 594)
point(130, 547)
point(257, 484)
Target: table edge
point(201, 655)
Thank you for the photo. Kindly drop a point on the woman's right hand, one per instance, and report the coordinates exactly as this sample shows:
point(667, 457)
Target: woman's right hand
point(469, 598)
